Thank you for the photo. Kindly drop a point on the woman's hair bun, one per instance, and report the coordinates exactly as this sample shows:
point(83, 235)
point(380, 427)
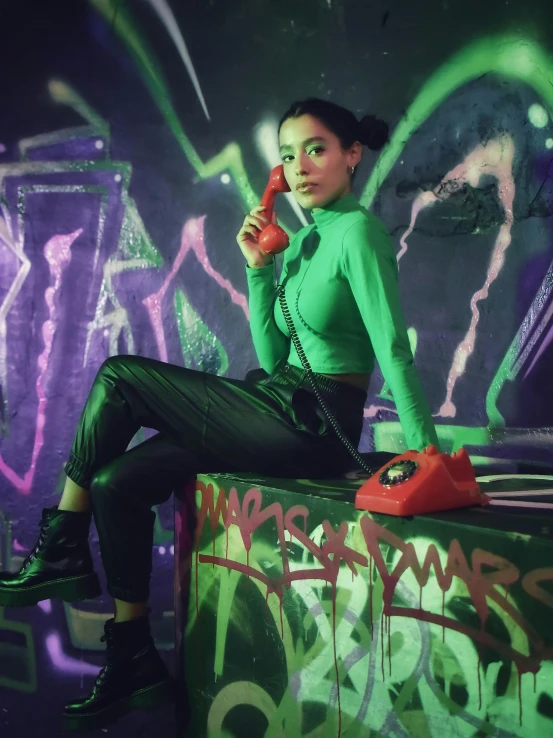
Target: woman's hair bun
point(373, 132)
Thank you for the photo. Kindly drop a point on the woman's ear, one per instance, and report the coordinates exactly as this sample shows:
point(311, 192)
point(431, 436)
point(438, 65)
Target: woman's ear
point(355, 153)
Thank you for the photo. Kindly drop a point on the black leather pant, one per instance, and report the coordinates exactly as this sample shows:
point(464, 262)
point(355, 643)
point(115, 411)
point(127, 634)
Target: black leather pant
point(205, 423)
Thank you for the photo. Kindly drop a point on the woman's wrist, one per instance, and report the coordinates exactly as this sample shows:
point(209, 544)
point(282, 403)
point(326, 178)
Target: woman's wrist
point(259, 264)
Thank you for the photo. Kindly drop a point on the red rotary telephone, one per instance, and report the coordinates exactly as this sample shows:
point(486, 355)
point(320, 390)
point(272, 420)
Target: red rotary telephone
point(416, 483)
point(273, 239)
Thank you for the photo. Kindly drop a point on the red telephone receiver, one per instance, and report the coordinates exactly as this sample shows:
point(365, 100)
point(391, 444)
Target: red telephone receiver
point(273, 239)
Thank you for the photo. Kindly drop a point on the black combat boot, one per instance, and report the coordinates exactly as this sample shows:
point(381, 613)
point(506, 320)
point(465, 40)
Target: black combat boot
point(134, 677)
point(60, 564)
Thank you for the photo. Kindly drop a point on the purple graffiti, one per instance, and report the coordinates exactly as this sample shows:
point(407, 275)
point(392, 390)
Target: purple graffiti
point(192, 239)
point(66, 663)
point(57, 253)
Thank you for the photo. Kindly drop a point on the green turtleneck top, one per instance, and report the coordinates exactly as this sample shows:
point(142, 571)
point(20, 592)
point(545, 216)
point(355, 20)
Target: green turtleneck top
point(340, 276)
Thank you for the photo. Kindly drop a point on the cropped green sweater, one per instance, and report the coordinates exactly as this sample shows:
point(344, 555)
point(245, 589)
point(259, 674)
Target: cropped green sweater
point(340, 278)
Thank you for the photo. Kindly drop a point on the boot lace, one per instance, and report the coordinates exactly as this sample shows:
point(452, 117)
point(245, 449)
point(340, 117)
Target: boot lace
point(101, 678)
point(107, 638)
point(39, 545)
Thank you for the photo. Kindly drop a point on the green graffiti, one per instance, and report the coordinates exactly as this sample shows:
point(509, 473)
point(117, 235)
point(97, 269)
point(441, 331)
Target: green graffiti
point(63, 94)
point(17, 656)
point(201, 349)
point(227, 591)
point(512, 56)
point(230, 158)
point(394, 671)
point(161, 534)
point(388, 436)
point(509, 55)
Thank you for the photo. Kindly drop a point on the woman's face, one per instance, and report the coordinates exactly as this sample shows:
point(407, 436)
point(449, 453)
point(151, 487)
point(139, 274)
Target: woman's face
point(316, 167)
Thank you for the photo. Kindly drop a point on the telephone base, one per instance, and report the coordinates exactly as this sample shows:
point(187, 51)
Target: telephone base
point(417, 483)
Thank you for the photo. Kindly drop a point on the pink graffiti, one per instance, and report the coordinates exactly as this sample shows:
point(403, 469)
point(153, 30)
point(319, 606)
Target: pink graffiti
point(66, 663)
point(373, 410)
point(422, 201)
point(57, 253)
point(192, 239)
point(496, 159)
point(483, 572)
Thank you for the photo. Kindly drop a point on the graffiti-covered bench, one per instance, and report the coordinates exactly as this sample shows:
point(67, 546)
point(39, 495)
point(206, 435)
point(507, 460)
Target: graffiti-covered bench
point(298, 615)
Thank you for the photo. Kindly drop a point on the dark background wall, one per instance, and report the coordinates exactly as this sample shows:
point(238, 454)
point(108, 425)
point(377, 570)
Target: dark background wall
point(112, 154)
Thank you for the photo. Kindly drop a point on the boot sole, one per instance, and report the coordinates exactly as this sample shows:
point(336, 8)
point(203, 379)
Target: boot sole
point(148, 698)
point(70, 589)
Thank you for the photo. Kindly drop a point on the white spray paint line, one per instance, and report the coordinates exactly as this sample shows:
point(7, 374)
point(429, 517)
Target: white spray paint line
point(511, 503)
point(166, 16)
point(499, 477)
point(522, 493)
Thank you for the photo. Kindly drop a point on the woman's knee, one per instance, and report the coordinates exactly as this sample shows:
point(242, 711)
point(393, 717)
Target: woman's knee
point(114, 366)
point(110, 374)
point(107, 495)
point(102, 484)
point(113, 484)
point(114, 496)
point(113, 371)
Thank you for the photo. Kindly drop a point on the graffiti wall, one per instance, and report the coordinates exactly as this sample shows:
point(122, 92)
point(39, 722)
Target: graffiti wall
point(135, 135)
point(307, 618)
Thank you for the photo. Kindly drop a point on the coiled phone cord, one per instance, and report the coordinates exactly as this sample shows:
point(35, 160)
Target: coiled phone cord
point(313, 381)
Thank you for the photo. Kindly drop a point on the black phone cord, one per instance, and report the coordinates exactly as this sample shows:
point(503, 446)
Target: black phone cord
point(313, 381)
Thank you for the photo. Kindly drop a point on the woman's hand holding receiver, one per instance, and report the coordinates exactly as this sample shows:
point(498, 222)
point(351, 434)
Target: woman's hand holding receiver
point(248, 235)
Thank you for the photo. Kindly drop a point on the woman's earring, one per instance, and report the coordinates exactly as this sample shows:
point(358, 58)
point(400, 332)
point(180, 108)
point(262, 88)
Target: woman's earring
point(352, 170)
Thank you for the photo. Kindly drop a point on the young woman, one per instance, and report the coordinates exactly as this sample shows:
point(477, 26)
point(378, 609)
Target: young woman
point(340, 279)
